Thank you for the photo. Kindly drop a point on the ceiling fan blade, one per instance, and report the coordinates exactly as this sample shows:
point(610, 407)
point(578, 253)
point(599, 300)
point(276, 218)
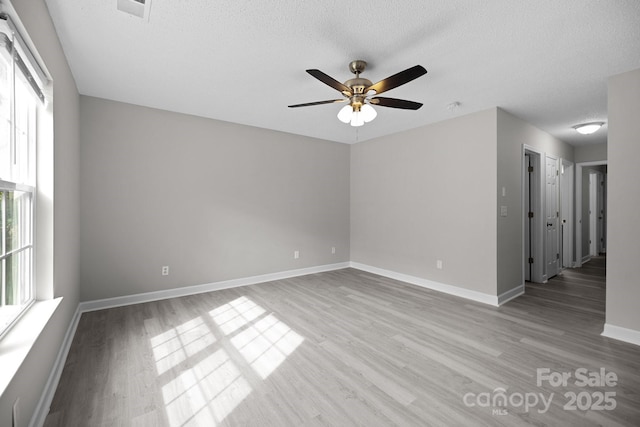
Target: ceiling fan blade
point(395, 103)
point(330, 81)
point(308, 104)
point(397, 79)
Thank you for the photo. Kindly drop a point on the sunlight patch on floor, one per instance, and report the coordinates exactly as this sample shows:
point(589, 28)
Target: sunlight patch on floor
point(266, 344)
point(235, 314)
point(208, 392)
point(177, 344)
point(205, 392)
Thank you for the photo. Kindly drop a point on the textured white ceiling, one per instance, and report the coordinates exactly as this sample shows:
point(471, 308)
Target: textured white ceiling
point(243, 61)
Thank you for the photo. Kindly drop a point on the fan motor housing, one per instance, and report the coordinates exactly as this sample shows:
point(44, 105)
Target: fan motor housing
point(358, 84)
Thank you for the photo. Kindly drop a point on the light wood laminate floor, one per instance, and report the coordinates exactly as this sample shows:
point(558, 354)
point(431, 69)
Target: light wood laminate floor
point(349, 348)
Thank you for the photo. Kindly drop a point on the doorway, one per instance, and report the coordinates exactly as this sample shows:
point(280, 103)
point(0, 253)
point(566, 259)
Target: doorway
point(566, 214)
point(548, 208)
point(552, 217)
point(532, 179)
point(591, 211)
point(596, 213)
point(594, 179)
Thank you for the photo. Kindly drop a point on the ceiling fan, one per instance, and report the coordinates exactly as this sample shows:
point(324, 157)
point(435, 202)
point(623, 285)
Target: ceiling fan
point(360, 93)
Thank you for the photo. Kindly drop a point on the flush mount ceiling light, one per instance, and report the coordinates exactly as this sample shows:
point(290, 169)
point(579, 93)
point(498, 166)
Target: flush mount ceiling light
point(359, 93)
point(588, 128)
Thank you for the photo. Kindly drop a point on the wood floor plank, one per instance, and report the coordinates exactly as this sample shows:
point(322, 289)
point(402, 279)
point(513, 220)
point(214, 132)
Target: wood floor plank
point(347, 348)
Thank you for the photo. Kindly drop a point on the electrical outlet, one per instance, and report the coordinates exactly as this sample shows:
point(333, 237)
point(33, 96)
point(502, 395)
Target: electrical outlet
point(439, 264)
point(296, 254)
point(333, 250)
point(165, 270)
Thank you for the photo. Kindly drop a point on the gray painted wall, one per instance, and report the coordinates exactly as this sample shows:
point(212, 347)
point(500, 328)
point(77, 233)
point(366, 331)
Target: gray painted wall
point(623, 238)
point(428, 194)
point(590, 153)
point(436, 193)
point(32, 376)
point(212, 200)
point(512, 133)
point(247, 198)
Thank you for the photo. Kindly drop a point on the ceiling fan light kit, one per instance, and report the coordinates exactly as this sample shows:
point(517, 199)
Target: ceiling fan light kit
point(360, 93)
point(357, 115)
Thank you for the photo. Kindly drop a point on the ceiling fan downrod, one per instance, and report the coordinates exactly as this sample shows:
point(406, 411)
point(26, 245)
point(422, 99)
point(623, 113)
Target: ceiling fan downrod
point(358, 84)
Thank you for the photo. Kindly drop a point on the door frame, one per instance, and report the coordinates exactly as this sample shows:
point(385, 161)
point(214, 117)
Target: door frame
point(567, 186)
point(555, 218)
point(602, 200)
point(594, 179)
point(536, 200)
point(578, 202)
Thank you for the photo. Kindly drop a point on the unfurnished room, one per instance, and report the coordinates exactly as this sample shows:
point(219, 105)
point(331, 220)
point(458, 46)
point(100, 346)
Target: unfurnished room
point(336, 213)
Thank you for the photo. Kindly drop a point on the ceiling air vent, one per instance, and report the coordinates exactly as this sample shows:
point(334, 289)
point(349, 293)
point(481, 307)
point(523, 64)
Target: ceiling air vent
point(139, 8)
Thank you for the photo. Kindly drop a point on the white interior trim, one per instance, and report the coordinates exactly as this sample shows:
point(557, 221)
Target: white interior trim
point(199, 289)
point(545, 201)
point(621, 334)
point(18, 341)
point(430, 284)
point(46, 398)
point(44, 404)
point(567, 199)
point(537, 204)
point(510, 294)
point(42, 409)
point(580, 258)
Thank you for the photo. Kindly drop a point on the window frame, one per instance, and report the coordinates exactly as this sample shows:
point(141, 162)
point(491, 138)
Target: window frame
point(19, 176)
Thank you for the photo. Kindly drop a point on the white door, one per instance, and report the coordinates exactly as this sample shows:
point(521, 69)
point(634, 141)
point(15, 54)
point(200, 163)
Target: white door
point(566, 214)
point(552, 252)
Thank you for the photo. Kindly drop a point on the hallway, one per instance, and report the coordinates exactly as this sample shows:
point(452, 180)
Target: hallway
point(575, 297)
point(577, 292)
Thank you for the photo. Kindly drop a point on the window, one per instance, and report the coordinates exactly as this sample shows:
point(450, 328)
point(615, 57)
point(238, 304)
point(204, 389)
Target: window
point(19, 94)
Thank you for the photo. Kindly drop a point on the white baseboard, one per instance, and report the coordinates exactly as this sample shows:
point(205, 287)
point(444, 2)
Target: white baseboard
point(621, 334)
point(46, 398)
point(208, 287)
point(42, 409)
point(510, 294)
point(430, 284)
